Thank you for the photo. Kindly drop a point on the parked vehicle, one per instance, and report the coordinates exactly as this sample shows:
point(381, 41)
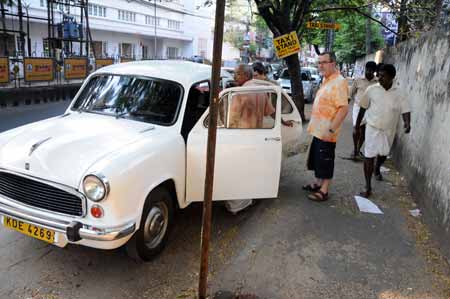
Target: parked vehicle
point(130, 150)
point(315, 75)
point(307, 81)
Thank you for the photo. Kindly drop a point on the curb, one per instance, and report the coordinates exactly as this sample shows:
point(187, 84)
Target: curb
point(15, 97)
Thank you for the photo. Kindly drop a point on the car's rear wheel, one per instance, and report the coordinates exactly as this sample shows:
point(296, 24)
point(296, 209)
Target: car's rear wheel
point(156, 222)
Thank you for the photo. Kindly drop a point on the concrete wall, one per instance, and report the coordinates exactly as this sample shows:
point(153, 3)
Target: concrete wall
point(423, 157)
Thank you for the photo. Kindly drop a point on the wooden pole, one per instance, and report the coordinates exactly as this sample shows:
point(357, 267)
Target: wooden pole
point(211, 148)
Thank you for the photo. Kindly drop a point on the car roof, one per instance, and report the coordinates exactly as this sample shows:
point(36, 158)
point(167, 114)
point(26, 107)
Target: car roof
point(184, 72)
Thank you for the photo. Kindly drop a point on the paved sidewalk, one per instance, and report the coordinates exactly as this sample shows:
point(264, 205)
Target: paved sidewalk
point(291, 247)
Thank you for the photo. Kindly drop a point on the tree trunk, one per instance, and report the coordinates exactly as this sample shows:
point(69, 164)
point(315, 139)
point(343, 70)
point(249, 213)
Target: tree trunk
point(403, 21)
point(368, 31)
point(293, 65)
point(437, 10)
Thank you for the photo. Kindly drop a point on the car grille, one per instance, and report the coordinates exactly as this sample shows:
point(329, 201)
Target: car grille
point(40, 195)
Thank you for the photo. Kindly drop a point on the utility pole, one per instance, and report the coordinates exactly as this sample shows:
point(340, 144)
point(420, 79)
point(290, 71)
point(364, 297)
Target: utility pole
point(27, 6)
point(211, 148)
point(155, 56)
point(5, 36)
point(21, 34)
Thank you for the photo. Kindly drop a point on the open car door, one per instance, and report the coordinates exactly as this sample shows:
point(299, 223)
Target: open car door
point(248, 152)
point(290, 136)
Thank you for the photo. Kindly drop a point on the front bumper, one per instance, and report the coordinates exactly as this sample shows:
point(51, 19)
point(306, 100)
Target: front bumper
point(67, 231)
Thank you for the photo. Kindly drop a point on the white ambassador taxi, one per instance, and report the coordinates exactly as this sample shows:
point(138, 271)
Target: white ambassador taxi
point(129, 150)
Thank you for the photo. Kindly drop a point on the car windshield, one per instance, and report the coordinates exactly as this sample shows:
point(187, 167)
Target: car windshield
point(285, 75)
point(143, 99)
point(313, 71)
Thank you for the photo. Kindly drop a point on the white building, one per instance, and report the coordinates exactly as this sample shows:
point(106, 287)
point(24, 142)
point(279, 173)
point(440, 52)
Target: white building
point(125, 28)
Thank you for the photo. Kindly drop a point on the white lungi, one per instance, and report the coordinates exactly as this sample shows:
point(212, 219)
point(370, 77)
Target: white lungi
point(355, 113)
point(378, 142)
point(235, 206)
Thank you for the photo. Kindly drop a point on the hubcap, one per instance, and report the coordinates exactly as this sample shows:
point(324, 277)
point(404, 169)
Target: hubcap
point(156, 225)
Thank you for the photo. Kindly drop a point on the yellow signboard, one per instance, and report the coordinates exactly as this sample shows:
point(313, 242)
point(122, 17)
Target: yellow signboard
point(39, 69)
point(4, 70)
point(320, 25)
point(101, 62)
point(124, 59)
point(286, 45)
point(75, 68)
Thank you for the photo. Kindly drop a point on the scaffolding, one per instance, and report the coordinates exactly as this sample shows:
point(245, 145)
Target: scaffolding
point(61, 35)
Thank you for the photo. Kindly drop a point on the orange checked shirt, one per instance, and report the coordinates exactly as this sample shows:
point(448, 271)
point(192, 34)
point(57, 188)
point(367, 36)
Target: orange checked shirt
point(332, 95)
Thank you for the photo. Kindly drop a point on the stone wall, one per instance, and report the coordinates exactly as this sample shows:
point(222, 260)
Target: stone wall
point(423, 157)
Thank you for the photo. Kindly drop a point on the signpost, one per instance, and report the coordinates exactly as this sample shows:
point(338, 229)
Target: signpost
point(39, 69)
point(287, 44)
point(4, 70)
point(75, 68)
point(320, 25)
point(101, 62)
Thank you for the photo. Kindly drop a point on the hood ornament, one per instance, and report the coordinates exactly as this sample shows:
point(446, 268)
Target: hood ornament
point(38, 144)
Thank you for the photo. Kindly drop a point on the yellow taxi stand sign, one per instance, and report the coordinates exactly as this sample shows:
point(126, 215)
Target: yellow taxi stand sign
point(287, 44)
point(320, 25)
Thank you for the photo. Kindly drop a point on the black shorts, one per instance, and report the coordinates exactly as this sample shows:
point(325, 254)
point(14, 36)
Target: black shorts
point(321, 158)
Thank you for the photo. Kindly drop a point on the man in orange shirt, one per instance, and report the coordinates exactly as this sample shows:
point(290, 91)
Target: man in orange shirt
point(328, 113)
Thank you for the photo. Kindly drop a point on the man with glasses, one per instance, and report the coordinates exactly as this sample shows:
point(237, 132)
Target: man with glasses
point(328, 113)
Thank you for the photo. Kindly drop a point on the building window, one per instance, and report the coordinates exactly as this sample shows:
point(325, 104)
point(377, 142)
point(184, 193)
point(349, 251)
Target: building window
point(127, 16)
point(171, 24)
point(149, 20)
point(46, 47)
point(127, 50)
point(97, 10)
point(172, 52)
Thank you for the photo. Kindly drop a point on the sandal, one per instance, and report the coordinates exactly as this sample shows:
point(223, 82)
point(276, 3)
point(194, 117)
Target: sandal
point(311, 187)
point(318, 196)
point(366, 194)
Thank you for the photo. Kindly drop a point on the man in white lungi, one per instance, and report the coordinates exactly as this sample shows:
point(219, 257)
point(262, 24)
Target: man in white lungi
point(384, 103)
point(359, 86)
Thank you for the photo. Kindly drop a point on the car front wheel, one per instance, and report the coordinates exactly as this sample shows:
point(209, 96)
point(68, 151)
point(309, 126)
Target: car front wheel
point(156, 222)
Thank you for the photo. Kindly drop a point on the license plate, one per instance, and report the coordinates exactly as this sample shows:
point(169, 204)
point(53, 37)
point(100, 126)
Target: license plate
point(30, 229)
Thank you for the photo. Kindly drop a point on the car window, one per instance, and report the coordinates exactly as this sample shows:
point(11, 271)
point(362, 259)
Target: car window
point(247, 110)
point(285, 74)
point(142, 99)
point(305, 76)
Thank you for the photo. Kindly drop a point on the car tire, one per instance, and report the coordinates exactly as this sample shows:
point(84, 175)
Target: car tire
point(156, 223)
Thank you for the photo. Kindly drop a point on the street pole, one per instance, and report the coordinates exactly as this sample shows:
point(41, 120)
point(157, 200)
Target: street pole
point(211, 148)
point(28, 31)
point(154, 53)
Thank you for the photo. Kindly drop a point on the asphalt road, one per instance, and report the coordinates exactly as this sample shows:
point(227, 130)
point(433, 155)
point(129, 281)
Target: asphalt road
point(15, 117)
point(282, 248)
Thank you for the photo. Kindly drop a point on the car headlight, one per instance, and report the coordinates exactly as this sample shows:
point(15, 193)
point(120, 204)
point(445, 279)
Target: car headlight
point(96, 187)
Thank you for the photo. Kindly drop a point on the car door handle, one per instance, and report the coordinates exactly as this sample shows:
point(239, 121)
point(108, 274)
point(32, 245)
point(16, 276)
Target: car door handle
point(294, 121)
point(272, 139)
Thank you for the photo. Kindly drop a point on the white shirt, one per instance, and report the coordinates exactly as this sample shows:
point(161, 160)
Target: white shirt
point(359, 86)
point(384, 107)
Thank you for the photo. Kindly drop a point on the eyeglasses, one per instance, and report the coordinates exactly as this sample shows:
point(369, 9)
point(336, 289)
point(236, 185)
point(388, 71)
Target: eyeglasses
point(324, 62)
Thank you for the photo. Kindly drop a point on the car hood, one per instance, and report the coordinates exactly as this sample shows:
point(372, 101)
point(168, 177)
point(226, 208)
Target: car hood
point(62, 149)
